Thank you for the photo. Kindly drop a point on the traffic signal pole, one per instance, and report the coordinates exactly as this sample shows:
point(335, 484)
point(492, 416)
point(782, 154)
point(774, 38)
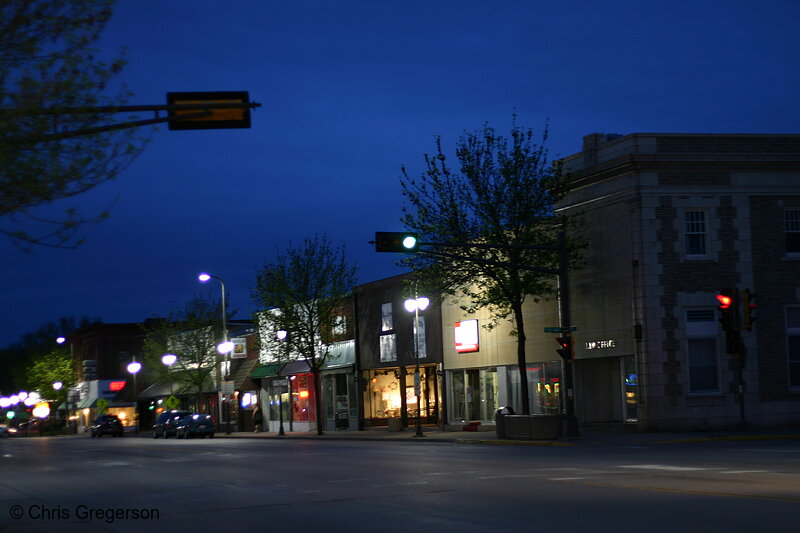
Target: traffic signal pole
point(733, 322)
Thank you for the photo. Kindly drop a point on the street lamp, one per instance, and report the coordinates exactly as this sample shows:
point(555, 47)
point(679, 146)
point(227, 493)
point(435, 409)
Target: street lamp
point(169, 359)
point(134, 369)
point(225, 347)
point(281, 334)
point(415, 305)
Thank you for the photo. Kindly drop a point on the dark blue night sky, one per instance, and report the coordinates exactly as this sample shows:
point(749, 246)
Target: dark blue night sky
point(350, 91)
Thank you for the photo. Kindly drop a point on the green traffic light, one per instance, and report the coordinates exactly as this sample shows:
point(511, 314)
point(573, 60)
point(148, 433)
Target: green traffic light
point(396, 241)
point(410, 242)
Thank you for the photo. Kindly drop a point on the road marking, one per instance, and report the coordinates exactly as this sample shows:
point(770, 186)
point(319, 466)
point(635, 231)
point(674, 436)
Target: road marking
point(744, 472)
point(565, 478)
point(666, 467)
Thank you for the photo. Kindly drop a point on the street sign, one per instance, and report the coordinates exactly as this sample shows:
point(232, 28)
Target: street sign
point(556, 329)
point(280, 382)
point(217, 110)
point(102, 404)
point(226, 387)
point(172, 402)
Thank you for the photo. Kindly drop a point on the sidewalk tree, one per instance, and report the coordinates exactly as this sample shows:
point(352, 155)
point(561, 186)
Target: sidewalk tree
point(48, 368)
point(48, 62)
point(480, 217)
point(192, 333)
point(303, 292)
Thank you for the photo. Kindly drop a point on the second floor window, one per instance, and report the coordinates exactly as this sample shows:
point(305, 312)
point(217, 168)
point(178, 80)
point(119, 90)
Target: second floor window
point(792, 224)
point(386, 317)
point(695, 231)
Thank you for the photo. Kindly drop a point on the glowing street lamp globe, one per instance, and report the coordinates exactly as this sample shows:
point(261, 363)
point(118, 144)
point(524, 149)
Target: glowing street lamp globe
point(225, 347)
point(169, 359)
point(134, 367)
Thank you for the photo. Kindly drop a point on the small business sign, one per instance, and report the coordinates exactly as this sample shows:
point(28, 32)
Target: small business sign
point(466, 335)
point(239, 348)
point(226, 387)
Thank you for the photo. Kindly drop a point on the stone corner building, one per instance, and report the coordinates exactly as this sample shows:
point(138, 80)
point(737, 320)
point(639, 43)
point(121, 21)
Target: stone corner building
point(671, 220)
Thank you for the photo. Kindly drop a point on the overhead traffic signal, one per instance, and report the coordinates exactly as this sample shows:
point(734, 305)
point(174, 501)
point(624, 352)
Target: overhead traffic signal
point(396, 241)
point(565, 350)
point(728, 310)
point(748, 309)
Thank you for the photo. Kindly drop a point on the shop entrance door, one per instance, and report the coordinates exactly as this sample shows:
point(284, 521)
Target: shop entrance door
point(337, 401)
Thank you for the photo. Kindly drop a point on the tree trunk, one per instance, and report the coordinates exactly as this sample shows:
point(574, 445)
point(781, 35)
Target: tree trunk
point(317, 397)
point(523, 366)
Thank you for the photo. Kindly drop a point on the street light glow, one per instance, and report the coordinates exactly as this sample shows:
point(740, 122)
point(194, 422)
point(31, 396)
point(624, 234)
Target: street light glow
point(61, 340)
point(225, 347)
point(169, 359)
point(134, 367)
point(57, 385)
point(204, 277)
point(416, 304)
point(409, 242)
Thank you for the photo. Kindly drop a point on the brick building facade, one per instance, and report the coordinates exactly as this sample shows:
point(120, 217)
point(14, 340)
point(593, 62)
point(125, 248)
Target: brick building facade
point(671, 220)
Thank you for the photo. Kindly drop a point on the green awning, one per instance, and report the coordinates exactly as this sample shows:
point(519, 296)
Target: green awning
point(269, 370)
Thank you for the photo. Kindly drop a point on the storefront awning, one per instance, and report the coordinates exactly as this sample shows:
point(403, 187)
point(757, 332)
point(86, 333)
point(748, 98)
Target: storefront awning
point(242, 373)
point(269, 370)
point(300, 366)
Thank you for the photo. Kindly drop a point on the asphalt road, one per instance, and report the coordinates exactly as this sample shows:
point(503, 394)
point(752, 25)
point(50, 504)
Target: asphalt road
point(139, 484)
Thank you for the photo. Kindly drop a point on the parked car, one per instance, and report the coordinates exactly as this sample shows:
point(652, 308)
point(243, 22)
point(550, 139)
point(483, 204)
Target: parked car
point(195, 425)
point(6, 432)
point(107, 424)
point(166, 422)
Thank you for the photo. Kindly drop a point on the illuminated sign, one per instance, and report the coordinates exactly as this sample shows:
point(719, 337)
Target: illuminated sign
point(116, 386)
point(466, 335)
point(601, 345)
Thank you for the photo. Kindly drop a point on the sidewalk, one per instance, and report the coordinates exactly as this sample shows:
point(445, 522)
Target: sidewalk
point(586, 438)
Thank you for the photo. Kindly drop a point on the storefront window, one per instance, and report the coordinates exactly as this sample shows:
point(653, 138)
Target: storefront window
point(544, 387)
point(382, 396)
point(302, 398)
point(474, 394)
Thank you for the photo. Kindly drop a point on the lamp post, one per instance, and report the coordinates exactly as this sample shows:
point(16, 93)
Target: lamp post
point(61, 340)
point(281, 334)
point(224, 348)
point(134, 368)
point(57, 387)
point(415, 305)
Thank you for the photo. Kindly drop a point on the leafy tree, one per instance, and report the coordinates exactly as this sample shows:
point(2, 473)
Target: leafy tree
point(192, 333)
point(500, 201)
point(49, 368)
point(303, 292)
point(17, 359)
point(48, 63)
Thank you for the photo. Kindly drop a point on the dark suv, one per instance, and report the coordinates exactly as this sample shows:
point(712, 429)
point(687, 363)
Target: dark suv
point(107, 424)
point(166, 422)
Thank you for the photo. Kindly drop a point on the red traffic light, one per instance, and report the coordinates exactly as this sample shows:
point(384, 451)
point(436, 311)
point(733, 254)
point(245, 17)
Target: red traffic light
point(724, 301)
point(565, 351)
